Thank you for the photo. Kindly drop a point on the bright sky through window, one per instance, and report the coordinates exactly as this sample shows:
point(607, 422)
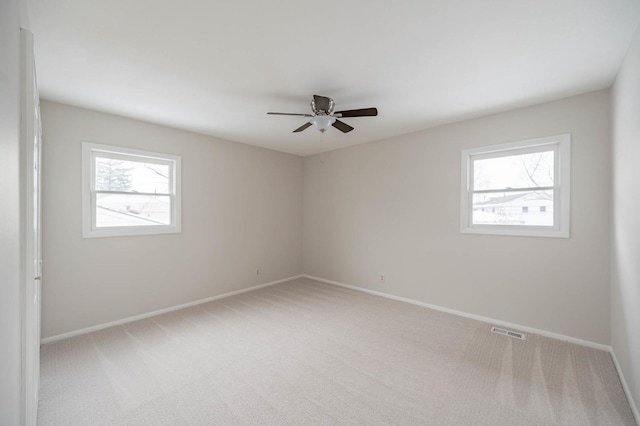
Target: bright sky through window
point(514, 171)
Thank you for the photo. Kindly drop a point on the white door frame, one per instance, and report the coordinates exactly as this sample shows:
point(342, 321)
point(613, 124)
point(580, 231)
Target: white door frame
point(31, 137)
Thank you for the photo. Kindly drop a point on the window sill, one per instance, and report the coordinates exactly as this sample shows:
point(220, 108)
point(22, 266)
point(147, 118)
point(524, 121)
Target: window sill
point(128, 232)
point(516, 231)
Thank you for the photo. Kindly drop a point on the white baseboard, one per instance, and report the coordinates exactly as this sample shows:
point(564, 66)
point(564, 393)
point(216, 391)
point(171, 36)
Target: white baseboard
point(492, 321)
point(625, 386)
point(160, 311)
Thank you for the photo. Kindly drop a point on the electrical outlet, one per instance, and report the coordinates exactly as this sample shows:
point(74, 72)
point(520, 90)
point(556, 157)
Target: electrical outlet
point(381, 277)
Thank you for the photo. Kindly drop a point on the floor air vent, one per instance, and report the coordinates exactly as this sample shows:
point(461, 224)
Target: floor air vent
point(508, 333)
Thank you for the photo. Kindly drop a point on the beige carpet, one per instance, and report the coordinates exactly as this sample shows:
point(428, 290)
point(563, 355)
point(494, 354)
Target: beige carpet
point(308, 353)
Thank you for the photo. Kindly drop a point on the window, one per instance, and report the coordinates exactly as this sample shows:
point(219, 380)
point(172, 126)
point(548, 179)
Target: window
point(519, 188)
point(129, 192)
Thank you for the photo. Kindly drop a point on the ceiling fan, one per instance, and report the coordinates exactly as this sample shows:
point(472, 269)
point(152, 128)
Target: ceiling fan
point(324, 116)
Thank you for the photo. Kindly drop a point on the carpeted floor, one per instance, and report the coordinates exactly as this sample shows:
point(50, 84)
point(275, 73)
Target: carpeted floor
point(308, 353)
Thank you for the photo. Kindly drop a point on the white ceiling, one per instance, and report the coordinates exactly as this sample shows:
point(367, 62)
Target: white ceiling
point(216, 67)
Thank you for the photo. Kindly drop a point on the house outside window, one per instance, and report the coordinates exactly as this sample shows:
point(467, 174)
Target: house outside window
point(519, 188)
point(129, 192)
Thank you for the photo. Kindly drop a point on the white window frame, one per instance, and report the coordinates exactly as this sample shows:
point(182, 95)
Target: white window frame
point(89, 152)
point(561, 145)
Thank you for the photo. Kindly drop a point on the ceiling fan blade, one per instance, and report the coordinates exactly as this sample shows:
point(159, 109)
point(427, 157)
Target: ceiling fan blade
point(322, 102)
point(364, 112)
point(301, 128)
point(290, 113)
point(342, 126)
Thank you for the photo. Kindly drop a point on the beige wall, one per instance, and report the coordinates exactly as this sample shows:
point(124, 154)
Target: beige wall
point(625, 283)
point(393, 207)
point(387, 207)
point(242, 210)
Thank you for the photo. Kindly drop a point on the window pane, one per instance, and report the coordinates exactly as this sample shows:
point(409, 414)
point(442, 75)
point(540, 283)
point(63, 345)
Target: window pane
point(515, 171)
point(132, 210)
point(131, 176)
point(529, 208)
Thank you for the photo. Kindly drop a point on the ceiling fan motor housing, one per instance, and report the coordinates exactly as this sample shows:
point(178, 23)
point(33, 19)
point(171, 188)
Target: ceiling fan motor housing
point(327, 103)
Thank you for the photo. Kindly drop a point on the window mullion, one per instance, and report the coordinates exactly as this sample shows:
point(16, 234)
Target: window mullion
point(527, 189)
point(150, 194)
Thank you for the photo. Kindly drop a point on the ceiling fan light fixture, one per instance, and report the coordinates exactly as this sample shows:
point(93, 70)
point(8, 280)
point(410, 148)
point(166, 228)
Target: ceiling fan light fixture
point(322, 122)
